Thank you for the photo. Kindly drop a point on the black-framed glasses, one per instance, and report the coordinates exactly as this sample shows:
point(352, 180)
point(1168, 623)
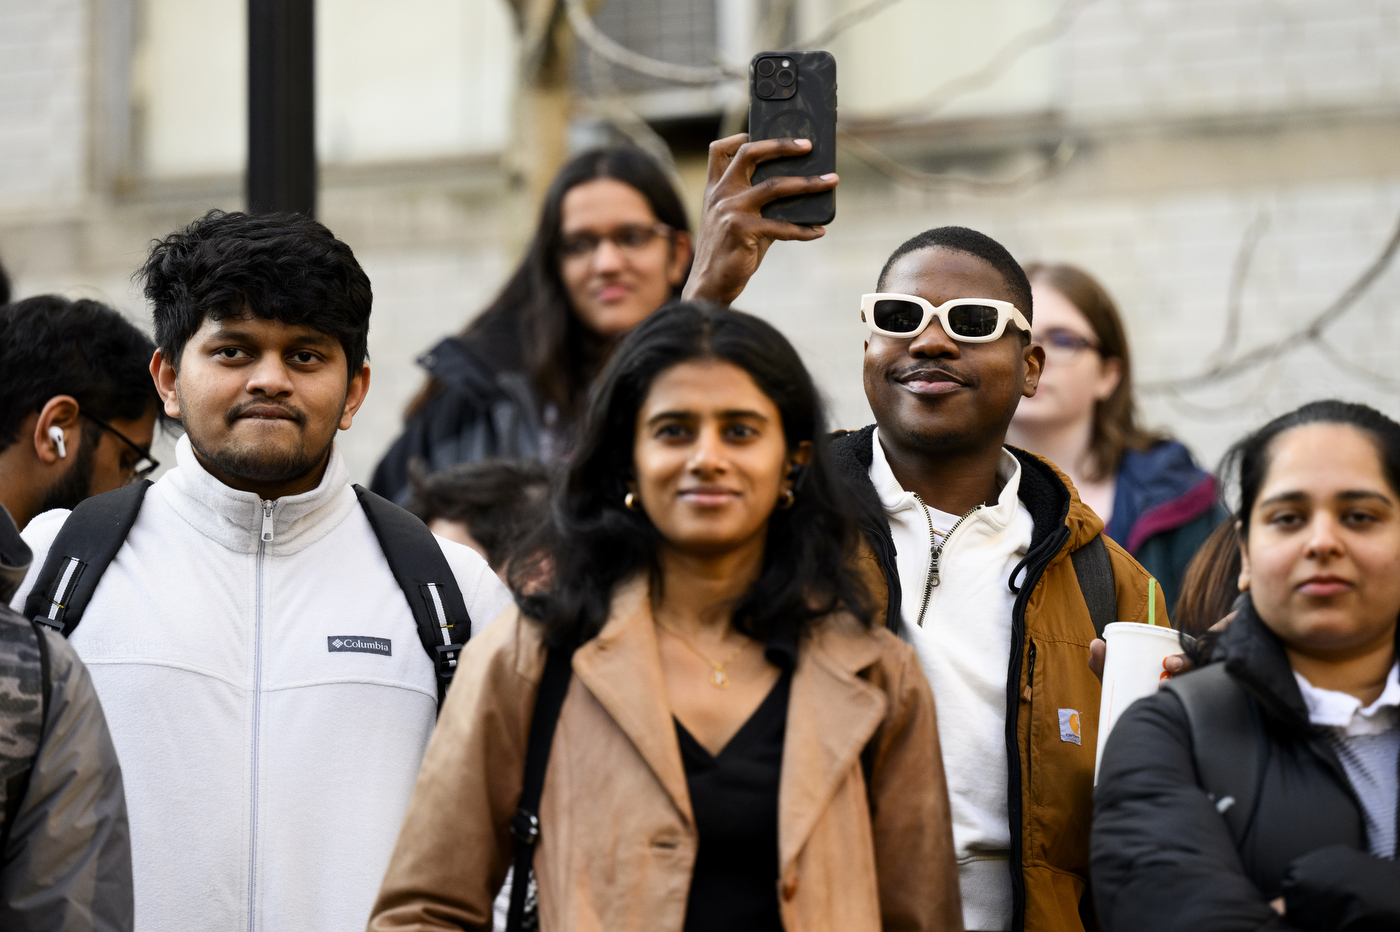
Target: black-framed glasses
point(1065, 344)
point(145, 463)
point(630, 239)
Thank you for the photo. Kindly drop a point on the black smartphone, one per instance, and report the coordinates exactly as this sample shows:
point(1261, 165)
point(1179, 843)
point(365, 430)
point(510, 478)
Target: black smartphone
point(793, 94)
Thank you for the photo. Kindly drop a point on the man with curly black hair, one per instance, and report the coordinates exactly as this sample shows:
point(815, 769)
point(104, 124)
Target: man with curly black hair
point(251, 641)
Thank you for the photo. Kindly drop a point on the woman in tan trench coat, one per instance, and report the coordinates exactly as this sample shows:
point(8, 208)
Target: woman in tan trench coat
point(739, 747)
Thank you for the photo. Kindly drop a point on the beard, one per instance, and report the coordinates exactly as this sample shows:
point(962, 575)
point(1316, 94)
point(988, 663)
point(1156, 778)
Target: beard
point(75, 484)
point(261, 463)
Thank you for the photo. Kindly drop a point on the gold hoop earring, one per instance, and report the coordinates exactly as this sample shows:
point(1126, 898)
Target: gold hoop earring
point(630, 501)
point(786, 502)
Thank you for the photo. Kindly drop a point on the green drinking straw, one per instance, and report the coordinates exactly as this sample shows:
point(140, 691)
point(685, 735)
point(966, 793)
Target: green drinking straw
point(1151, 601)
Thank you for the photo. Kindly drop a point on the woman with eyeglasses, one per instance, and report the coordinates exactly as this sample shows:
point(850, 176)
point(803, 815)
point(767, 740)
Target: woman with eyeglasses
point(612, 245)
point(737, 742)
point(1153, 498)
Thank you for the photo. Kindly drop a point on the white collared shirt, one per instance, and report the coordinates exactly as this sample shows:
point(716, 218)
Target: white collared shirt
point(964, 647)
point(1367, 742)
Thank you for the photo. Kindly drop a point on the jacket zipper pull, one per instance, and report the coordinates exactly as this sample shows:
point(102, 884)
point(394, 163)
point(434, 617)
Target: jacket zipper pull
point(267, 521)
point(1030, 675)
point(933, 574)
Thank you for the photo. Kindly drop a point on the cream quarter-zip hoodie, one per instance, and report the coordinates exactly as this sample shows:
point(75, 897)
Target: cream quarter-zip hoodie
point(267, 771)
point(964, 647)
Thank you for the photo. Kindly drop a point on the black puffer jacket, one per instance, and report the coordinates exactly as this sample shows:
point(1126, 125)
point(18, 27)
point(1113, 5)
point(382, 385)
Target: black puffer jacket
point(486, 408)
point(1163, 858)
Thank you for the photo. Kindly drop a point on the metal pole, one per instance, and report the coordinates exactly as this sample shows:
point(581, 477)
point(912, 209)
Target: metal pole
point(281, 106)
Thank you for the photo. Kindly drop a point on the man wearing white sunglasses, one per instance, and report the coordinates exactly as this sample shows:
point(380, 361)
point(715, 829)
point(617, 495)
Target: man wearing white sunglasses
point(967, 320)
point(982, 545)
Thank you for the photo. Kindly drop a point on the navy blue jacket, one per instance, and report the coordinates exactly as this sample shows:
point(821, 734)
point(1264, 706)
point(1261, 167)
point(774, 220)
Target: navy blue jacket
point(1163, 511)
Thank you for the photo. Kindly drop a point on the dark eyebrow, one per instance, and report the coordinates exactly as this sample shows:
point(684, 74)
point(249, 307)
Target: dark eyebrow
point(742, 413)
point(672, 416)
point(1361, 494)
point(316, 338)
point(225, 331)
point(729, 415)
point(1284, 497)
point(1350, 495)
point(308, 338)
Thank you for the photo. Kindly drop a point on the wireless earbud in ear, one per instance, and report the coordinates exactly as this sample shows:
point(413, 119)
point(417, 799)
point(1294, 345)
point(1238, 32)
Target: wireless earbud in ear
point(56, 435)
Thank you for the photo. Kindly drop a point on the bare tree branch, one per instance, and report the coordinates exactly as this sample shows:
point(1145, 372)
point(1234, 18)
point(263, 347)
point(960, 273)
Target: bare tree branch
point(1312, 332)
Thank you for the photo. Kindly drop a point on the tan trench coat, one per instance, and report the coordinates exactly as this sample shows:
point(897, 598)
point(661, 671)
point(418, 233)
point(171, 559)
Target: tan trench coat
point(618, 841)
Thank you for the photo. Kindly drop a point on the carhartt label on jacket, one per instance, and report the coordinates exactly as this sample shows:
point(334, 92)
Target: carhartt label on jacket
point(1069, 726)
point(360, 645)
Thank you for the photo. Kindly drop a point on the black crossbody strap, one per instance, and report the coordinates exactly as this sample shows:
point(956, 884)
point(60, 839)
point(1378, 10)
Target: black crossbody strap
point(1226, 731)
point(1095, 572)
point(80, 554)
point(427, 581)
point(525, 824)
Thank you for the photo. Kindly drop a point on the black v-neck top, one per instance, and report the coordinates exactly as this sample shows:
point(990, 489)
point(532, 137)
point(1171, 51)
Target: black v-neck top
point(734, 796)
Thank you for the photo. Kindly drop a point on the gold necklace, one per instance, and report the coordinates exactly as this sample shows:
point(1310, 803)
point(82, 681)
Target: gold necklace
point(718, 678)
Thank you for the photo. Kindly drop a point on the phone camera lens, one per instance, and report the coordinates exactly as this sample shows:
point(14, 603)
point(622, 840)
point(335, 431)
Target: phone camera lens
point(766, 67)
point(785, 77)
point(766, 88)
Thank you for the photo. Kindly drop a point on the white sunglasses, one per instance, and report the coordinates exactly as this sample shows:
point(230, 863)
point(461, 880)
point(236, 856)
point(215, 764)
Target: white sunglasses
point(968, 320)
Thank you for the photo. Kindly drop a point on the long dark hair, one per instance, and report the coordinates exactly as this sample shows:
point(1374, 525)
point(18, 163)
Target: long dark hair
point(532, 318)
point(593, 541)
point(1211, 583)
point(1247, 463)
point(1116, 428)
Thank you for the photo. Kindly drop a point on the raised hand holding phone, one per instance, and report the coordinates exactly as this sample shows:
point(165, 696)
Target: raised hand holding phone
point(777, 185)
point(734, 234)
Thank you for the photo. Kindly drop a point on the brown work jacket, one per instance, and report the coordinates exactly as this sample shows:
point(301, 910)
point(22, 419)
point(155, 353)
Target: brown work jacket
point(1053, 632)
point(617, 837)
point(1052, 708)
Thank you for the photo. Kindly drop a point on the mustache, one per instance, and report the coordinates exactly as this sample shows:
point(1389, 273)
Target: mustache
point(292, 413)
point(924, 372)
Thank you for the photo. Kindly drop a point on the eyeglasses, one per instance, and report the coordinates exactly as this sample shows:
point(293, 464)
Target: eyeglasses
point(144, 466)
point(1063, 344)
point(630, 239)
point(968, 320)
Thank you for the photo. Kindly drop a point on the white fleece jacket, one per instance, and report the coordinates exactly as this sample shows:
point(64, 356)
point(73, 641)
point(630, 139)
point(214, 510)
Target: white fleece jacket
point(964, 646)
point(267, 772)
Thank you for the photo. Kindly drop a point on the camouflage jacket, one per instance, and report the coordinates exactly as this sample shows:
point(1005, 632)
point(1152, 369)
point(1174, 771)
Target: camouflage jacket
point(65, 854)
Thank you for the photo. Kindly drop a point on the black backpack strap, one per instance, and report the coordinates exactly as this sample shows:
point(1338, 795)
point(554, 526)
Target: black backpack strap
point(1226, 740)
point(80, 554)
point(525, 824)
point(1095, 572)
point(427, 581)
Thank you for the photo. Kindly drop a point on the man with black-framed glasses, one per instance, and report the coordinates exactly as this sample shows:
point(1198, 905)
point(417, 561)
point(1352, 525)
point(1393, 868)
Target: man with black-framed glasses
point(77, 405)
point(136, 460)
point(995, 571)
